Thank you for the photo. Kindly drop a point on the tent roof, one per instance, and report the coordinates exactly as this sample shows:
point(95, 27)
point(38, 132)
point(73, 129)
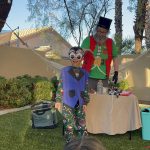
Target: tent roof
point(18, 61)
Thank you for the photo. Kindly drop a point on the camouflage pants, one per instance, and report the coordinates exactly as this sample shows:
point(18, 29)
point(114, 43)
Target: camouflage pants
point(74, 122)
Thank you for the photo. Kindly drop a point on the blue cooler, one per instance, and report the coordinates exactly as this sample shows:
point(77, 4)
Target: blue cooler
point(145, 117)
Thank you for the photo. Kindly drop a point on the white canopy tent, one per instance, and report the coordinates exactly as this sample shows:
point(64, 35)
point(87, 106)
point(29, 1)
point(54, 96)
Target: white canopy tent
point(137, 73)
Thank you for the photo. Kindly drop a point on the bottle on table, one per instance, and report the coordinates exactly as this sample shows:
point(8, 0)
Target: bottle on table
point(100, 87)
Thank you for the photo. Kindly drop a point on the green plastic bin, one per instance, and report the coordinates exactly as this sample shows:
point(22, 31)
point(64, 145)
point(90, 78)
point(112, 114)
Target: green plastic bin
point(145, 117)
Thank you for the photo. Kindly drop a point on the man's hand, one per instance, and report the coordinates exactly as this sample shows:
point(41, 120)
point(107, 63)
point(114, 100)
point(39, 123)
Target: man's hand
point(115, 77)
point(58, 106)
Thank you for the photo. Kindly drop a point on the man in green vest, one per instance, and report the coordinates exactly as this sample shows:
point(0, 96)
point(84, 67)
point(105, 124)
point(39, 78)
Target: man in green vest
point(100, 51)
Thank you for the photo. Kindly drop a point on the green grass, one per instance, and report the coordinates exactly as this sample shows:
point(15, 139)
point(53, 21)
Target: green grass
point(16, 134)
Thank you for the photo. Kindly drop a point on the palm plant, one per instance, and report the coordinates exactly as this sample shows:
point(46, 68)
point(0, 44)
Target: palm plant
point(140, 7)
point(118, 23)
point(147, 27)
point(139, 24)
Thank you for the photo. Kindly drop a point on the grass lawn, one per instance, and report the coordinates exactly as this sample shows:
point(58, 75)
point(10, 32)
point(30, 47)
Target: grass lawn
point(16, 134)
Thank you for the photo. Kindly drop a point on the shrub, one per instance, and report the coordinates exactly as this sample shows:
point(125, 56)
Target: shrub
point(2, 78)
point(3, 90)
point(42, 90)
point(39, 78)
point(15, 93)
point(24, 90)
point(28, 82)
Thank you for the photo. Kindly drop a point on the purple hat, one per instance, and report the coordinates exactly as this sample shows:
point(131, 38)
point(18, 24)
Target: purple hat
point(104, 23)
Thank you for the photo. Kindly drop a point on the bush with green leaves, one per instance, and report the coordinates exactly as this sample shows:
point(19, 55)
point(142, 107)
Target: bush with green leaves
point(28, 82)
point(3, 90)
point(24, 90)
point(42, 90)
point(2, 78)
point(38, 78)
point(14, 93)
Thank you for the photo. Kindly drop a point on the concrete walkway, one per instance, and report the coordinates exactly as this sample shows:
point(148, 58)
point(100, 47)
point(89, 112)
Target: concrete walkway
point(6, 111)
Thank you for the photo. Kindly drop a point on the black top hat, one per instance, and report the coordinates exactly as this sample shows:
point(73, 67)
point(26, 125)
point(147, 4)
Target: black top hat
point(104, 23)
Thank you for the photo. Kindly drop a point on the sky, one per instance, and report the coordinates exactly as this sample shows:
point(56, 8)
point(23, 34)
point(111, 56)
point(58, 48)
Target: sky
point(19, 14)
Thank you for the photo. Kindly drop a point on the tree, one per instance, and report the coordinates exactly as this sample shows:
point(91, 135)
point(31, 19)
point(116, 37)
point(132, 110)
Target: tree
point(5, 6)
point(147, 26)
point(128, 46)
point(118, 23)
point(139, 23)
point(72, 17)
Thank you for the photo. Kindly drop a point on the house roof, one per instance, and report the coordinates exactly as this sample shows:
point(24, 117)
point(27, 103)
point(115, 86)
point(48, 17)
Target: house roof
point(26, 33)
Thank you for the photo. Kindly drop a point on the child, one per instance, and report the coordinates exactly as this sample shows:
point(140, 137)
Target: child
point(73, 92)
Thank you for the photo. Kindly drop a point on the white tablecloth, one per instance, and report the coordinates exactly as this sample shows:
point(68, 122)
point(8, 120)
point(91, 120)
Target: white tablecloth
point(111, 115)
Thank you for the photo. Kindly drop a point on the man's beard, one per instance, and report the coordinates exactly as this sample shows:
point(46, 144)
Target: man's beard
point(100, 38)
